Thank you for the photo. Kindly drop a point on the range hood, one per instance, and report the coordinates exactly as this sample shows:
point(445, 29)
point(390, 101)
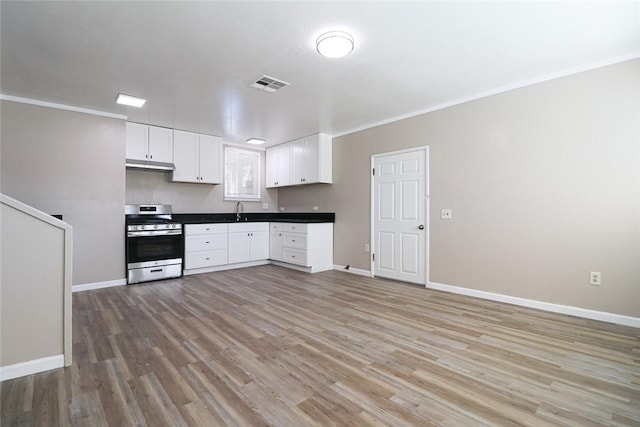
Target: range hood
point(149, 165)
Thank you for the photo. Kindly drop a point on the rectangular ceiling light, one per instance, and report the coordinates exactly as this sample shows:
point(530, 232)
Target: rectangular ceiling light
point(131, 101)
point(256, 141)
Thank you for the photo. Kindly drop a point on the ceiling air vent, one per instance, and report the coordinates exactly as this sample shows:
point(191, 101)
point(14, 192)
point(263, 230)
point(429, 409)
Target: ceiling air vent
point(269, 84)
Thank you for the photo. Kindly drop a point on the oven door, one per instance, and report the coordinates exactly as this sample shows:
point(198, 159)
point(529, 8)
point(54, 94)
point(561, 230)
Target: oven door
point(152, 246)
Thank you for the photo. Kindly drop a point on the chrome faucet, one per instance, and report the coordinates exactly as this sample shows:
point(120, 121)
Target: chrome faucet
point(239, 210)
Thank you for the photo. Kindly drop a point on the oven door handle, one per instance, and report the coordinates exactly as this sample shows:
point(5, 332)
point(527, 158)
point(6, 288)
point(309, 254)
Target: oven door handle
point(151, 233)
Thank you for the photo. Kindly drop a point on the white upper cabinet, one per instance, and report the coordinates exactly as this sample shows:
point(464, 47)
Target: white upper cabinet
point(309, 162)
point(149, 143)
point(198, 158)
point(298, 162)
point(137, 141)
point(210, 159)
point(160, 144)
point(278, 166)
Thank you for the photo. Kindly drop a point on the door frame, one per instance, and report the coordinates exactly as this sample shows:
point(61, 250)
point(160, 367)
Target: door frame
point(427, 200)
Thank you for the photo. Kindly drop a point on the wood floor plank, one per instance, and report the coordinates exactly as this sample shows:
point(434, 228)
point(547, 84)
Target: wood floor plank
point(271, 346)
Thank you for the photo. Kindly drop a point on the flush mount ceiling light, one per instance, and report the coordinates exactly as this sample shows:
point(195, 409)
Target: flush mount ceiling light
point(131, 101)
point(256, 141)
point(334, 44)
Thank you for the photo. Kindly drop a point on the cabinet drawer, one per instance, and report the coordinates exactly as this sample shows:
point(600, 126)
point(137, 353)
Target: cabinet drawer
point(204, 228)
point(294, 240)
point(294, 228)
point(205, 259)
point(294, 256)
point(274, 226)
point(248, 226)
point(205, 242)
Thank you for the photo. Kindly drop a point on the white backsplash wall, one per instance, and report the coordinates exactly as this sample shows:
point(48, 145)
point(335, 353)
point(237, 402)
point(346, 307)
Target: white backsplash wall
point(156, 188)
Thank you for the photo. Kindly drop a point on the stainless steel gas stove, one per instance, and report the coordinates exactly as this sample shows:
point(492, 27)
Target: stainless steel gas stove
point(155, 243)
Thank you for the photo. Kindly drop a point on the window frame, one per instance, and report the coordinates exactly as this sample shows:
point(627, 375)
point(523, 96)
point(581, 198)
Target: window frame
point(228, 195)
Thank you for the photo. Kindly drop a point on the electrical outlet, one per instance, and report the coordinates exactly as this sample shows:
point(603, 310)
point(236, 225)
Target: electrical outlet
point(445, 214)
point(366, 247)
point(315, 208)
point(595, 278)
point(265, 206)
point(282, 209)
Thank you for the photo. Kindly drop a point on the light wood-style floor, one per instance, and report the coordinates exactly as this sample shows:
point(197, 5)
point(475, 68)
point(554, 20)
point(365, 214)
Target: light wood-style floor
point(271, 346)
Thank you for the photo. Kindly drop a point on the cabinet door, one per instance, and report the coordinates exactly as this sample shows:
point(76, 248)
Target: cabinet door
point(271, 174)
point(298, 162)
point(284, 164)
point(312, 159)
point(275, 245)
point(137, 141)
point(210, 159)
point(277, 174)
point(160, 144)
point(325, 158)
point(259, 245)
point(186, 156)
point(239, 247)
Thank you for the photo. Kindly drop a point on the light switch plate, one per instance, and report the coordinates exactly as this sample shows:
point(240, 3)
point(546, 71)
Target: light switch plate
point(445, 214)
point(265, 206)
point(315, 208)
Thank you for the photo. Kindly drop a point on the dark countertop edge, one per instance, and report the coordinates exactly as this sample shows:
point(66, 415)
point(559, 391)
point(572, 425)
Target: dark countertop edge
point(297, 217)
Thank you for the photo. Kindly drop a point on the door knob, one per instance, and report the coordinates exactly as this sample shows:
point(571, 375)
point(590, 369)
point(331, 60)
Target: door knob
point(421, 227)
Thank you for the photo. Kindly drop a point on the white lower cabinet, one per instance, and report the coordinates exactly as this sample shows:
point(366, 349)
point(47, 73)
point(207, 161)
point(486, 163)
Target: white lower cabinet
point(213, 247)
point(309, 246)
point(275, 241)
point(205, 245)
point(248, 242)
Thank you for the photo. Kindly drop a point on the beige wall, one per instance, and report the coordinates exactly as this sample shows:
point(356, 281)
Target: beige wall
point(69, 163)
point(156, 187)
point(544, 184)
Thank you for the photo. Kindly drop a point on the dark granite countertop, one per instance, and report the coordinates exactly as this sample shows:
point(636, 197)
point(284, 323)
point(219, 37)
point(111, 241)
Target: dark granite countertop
point(297, 217)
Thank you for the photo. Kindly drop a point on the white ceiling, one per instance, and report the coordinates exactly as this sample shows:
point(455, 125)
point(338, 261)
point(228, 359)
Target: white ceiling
point(194, 61)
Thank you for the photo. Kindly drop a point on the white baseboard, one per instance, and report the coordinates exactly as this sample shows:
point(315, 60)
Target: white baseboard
point(352, 270)
point(540, 305)
point(98, 285)
point(31, 367)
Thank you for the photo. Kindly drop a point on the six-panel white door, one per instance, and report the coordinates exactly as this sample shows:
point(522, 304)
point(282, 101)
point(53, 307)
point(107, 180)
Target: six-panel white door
point(400, 216)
